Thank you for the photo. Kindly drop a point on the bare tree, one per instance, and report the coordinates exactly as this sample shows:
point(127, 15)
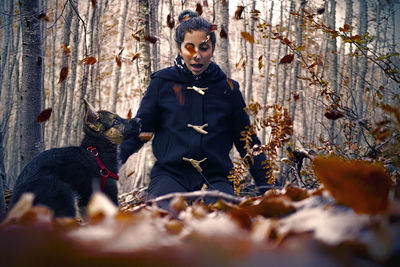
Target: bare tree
point(31, 77)
point(222, 47)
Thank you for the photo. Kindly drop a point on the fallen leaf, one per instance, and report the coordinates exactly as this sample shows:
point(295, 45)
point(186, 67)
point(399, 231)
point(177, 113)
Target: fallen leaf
point(213, 28)
point(223, 33)
point(44, 115)
point(321, 10)
point(63, 74)
point(358, 184)
point(199, 9)
point(230, 83)
point(136, 56)
point(43, 16)
point(238, 12)
point(170, 21)
point(150, 39)
point(118, 60)
point(136, 37)
point(129, 116)
point(94, 3)
point(205, 3)
point(333, 114)
point(145, 136)
point(89, 60)
point(248, 37)
point(287, 59)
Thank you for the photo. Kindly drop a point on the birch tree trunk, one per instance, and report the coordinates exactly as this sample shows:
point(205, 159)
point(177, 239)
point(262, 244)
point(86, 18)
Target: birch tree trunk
point(155, 48)
point(222, 47)
point(333, 67)
point(31, 132)
point(2, 177)
point(250, 68)
point(116, 68)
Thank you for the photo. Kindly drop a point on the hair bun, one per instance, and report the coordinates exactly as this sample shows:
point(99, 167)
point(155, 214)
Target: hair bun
point(187, 14)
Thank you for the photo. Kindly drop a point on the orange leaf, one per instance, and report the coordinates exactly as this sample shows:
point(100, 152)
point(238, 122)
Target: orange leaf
point(120, 52)
point(358, 184)
point(191, 49)
point(66, 49)
point(136, 56)
point(89, 60)
point(170, 21)
point(63, 74)
point(248, 37)
point(238, 12)
point(118, 60)
point(230, 83)
point(136, 37)
point(223, 34)
point(145, 136)
point(129, 116)
point(43, 16)
point(199, 9)
point(44, 115)
point(287, 59)
point(150, 39)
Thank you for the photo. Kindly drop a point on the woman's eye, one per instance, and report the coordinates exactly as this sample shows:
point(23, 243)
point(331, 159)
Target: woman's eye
point(204, 47)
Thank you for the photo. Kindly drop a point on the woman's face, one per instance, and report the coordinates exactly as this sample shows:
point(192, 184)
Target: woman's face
point(196, 50)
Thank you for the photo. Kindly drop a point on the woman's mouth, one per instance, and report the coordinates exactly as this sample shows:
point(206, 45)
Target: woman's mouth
point(196, 67)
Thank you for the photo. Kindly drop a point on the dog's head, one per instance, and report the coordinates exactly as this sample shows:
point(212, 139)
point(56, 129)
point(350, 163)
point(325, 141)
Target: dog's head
point(109, 125)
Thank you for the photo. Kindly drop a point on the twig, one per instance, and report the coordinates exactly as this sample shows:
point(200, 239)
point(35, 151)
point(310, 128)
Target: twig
point(55, 21)
point(196, 195)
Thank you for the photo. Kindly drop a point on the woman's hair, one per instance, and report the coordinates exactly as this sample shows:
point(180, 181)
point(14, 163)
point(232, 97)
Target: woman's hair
point(191, 21)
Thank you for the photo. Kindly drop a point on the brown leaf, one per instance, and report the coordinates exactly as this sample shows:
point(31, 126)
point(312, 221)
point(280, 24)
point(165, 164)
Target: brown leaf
point(296, 193)
point(224, 3)
point(238, 12)
point(136, 56)
point(136, 37)
point(170, 21)
point(191, 49)
point(199, 9)
point(118, 60)
point(287, 59)
point(63, 74)
point(248, 37)
point(271, 206)
point(120, 52)
point(44, 115)
point(205, 3)
point(43, 16)
point(320, 10)
point(66, 49)
point(129, 115)
point(296, 96)
point(286, 41)
point(151, 39)
point(89, 60)
point(139, 31)
point(260, 64)
point(358, 184)
point(94, 3)
point(333, 114)
point(145, 136)
point(223, 33)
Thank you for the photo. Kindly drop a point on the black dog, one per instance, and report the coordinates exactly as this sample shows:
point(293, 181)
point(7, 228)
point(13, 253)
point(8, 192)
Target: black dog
point(59, 176)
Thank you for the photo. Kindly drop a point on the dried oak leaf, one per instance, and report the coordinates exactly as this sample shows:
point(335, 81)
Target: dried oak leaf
point(199, 9)
point(358, 184)
point(89, 60)
point(287, 59)
point(170, 21)
point(238, 12)
point(44, 115)
point(136, 56)
point(223, 34)
point(248, 37)
point(118, 61)
point(333, 114)
point(269, 206)
point(63, 74)
point(150, 39)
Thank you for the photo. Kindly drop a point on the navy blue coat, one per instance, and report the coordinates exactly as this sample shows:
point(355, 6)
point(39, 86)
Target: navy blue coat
point(170, 106)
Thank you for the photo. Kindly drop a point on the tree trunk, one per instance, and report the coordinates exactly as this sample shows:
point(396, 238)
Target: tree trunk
point(222, 47)
point(250, 69)
point(333, 67)
point(155, 48)
point(31, 132)
point(116, 68)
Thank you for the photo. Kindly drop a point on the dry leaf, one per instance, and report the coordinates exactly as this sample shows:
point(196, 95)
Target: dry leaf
point(224, 3)
point(89, 60)
point(150, 39)
point(66, 49)
point(248, 37)
point(333, 114)
point(43, 16)
point(129, 115)
point(199, 9)
point(213, 28)
point(179, 94)
point(230, 83)
point(205, 3)
point(94, 3)
point(63, 74)
point(358, 184)
point(238, 12)
point(145, 136)
point(44, 115)
point(136, 37)
point(118, 60)
point(287, 59)
point(136, 56)
point(223, 33)
point(170, 21)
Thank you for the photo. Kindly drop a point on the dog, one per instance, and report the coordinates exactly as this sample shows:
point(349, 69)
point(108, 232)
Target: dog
point(60, 177)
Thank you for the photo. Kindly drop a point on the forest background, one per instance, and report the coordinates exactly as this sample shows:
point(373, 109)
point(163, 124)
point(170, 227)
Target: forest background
point(332, 65)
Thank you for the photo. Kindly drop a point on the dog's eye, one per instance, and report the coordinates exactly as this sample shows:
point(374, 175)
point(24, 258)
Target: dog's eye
point(116, 122)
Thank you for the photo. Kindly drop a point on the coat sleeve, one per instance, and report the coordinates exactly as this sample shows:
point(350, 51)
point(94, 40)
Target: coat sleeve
point(240, 119)
point(148, 113)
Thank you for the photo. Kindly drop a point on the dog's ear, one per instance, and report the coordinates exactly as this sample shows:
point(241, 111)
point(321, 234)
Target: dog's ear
point(90, 116)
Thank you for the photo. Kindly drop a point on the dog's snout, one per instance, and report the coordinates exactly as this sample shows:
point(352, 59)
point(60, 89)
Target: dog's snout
point(134, 127)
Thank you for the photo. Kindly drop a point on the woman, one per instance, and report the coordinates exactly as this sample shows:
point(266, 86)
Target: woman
point(196, 115)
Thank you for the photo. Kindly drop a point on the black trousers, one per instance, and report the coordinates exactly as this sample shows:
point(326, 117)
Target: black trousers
point(164, 184)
